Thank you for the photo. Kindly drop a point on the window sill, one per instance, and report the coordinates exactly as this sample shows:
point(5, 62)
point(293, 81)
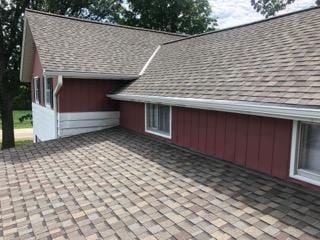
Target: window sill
point(48, 106)
point(302, 176)
point(168, 136)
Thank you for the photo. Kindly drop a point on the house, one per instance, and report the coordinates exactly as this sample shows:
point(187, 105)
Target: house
point(249, 95)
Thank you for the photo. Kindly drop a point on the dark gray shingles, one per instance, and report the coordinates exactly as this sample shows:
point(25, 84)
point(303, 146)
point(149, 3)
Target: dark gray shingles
point(275, 61)
point(66, 44)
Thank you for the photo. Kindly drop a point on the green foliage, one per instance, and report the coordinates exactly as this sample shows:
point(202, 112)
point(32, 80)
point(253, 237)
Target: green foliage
point(184, 16)
point(269, 8)
point(25, 116)
point(23, 100)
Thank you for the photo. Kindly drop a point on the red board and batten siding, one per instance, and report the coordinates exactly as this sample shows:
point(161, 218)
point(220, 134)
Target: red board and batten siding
point(259, 143)
point(87, 95)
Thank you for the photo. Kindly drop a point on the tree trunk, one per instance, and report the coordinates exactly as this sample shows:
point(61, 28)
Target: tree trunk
point(7, 122)
point(6, 113)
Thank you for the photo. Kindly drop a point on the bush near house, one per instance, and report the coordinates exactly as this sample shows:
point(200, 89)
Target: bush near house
point(17, 115)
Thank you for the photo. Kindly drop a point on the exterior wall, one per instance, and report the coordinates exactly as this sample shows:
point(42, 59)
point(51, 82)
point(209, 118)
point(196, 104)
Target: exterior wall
point(259, 143)
point(43, 122)
point(82, 122)
point(83, 106)
point(87, 95)
point(132, 116)
point(43, 118)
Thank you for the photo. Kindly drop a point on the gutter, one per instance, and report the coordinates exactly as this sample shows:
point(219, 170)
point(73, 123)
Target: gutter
point(55, 95)
point(106, 76)
point(249, 108)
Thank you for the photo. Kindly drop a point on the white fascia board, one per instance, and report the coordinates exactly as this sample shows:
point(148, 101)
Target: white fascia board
point(149, 61)
point(22, 48)
point(262, 109)
point(107, 76)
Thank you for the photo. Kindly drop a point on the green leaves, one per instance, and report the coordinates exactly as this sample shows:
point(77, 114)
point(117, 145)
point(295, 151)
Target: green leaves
point(269, 8)
point(184, 16)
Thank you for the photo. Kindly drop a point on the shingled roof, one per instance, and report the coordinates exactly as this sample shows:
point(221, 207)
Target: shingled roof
point(77, 45)
point(271, 61)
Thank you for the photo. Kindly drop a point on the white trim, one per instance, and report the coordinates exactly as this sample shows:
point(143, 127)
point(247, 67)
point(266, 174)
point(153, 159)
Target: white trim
point(107, 76)
point(168, 136)
point(305, 179)
point(23, 46)
point(262, 109)
point(35, 87)
point(294, 147)
point(55, 107)
point(149, 61)
point(294, 157)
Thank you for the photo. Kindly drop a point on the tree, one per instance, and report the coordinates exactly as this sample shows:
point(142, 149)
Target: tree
point(10, 38)
point(11, 22)
point(269, 8)
point(184, 16)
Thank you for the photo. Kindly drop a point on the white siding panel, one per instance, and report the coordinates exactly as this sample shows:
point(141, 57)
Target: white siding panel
point(82, 122)
point(43, 122)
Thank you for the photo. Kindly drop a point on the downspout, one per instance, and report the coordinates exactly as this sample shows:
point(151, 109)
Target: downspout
point(55, 95)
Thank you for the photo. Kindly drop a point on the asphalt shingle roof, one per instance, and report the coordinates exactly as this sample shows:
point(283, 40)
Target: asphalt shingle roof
point(273, 61)
point(115, 184)
point(70, 44)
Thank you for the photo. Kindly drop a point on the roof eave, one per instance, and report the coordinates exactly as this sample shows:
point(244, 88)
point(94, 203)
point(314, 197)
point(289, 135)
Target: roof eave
point(249, 108)
point(26, 54)
point(90, 75)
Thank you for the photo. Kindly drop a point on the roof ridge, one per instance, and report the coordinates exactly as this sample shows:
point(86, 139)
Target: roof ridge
point(105, 23)
point(243, 25)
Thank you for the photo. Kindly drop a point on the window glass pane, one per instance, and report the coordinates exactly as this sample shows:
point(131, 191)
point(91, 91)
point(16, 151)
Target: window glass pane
point(48, 91)
point(310, 148)
point(153, 116)
point(164, 112)
point(158, 118)
point(149, 119)
point(37, 89)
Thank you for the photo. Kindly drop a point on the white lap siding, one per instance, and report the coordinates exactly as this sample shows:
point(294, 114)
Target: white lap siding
point(82, 122)
point(44, 127)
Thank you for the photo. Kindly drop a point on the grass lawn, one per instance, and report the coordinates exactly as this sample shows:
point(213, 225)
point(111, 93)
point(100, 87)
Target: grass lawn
point(20, 142)
point(17, 123)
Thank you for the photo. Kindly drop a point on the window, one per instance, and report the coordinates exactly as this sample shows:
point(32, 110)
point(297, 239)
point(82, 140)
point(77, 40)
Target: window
point(305, 162)
point(48, 92)
point(36, 84)
point(158, 119)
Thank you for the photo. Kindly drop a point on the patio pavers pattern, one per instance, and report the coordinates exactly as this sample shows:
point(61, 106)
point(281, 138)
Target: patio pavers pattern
point(115, 184)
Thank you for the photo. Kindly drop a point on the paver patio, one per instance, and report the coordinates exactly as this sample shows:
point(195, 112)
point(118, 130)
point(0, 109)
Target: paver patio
point(115, 184)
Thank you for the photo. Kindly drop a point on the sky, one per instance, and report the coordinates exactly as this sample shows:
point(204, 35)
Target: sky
point(236, 12)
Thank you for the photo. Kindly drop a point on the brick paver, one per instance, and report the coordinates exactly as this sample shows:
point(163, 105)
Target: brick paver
point(117, 185)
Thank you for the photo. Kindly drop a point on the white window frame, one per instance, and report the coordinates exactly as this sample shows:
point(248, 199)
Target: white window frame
point(158, 133)
point(46, 103)
point(295, 155)
point(37, 92)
